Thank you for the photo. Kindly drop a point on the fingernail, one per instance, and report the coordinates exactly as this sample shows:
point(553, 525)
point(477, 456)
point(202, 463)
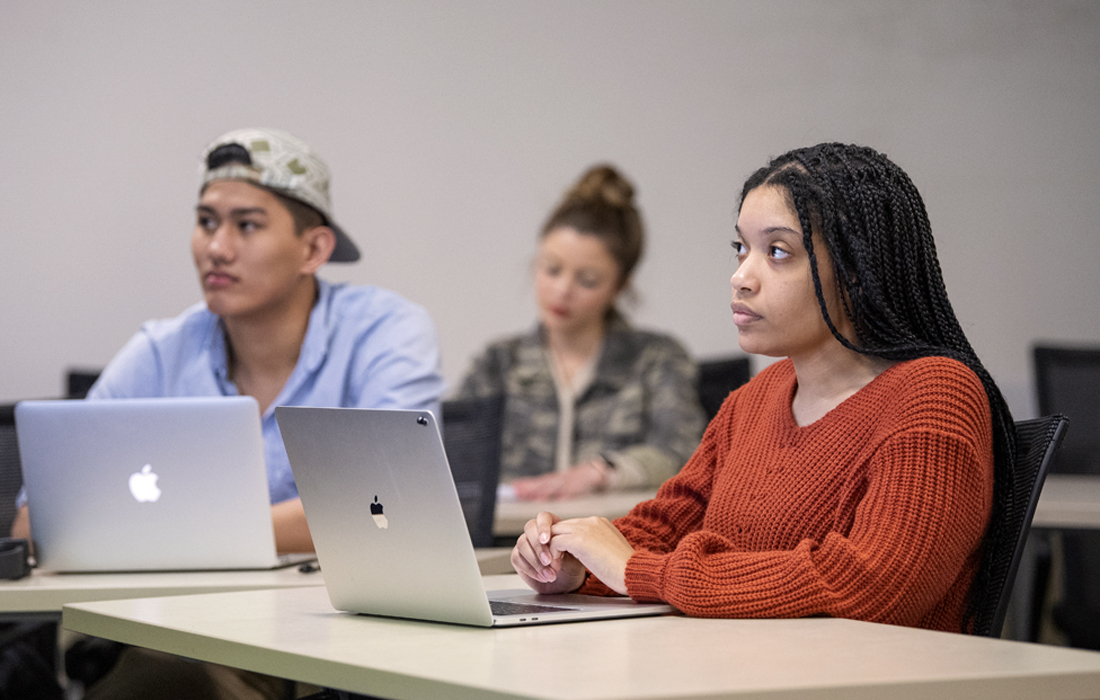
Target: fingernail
point(544, 558)
point(544, 537)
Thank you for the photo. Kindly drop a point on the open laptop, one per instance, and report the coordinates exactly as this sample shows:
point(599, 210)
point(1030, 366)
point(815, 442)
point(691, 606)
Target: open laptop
point(388, 526)
point(164, 484)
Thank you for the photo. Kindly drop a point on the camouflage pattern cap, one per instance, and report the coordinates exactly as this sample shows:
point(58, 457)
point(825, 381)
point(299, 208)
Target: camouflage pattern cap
point(277, 160)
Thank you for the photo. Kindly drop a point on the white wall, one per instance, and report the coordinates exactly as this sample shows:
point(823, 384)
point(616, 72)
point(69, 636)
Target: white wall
point(452, 128)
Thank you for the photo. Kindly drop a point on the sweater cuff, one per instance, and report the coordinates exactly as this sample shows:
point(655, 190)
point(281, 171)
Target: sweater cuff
point(645, 575)
point(594, 586)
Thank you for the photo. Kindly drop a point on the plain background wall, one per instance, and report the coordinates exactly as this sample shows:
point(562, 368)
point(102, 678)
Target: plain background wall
point(452, 129)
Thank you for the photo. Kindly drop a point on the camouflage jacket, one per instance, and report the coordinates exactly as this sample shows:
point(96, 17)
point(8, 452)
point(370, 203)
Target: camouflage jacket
point(641, 403)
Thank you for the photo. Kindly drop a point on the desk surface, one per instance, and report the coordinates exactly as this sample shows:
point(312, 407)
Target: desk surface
point(1066, 502)
point(47, 592)
point(511, 516)
point(1069, 502)
point(295, 633)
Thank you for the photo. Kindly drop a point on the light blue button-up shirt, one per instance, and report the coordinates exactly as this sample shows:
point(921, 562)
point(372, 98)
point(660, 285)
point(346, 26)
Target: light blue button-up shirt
point(365, 347)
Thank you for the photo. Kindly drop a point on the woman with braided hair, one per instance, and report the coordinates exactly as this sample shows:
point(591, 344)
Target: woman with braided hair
point(855, 478)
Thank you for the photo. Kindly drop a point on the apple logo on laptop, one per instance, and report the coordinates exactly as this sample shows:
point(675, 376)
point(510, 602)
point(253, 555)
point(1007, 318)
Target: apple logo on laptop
point(376, 513)
point(143, 485)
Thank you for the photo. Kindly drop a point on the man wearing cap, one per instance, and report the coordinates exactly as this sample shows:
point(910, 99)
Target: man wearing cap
point(268, 326)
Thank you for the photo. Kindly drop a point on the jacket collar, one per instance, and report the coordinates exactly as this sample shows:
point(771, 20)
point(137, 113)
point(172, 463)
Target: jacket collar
point(613, 369)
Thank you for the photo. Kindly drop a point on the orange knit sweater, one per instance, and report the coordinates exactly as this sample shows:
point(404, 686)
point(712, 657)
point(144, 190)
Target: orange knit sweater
point(875, 512)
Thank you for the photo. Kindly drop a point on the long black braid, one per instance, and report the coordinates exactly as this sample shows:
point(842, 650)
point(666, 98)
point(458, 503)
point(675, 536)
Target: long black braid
point(878, 236)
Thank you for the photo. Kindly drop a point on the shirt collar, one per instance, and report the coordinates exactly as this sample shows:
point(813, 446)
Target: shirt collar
point(315, 344)
point(613, 367)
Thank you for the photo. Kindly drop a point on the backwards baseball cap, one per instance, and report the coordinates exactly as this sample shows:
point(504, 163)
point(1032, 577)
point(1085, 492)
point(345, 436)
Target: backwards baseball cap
point(277, 160)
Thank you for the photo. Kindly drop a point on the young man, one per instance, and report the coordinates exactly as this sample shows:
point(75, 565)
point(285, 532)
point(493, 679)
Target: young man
point(268, 326)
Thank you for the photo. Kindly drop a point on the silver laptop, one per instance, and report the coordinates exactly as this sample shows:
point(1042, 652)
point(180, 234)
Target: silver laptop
point(388, 526)
point(147, 484)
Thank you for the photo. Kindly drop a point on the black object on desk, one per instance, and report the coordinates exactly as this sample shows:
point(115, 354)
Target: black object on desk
point(15, 556)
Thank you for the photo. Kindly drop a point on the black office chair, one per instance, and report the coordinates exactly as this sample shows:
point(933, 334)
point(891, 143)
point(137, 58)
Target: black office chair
point(27, 646)
point(11, 473)
point(1036, 442)
point(1067, 380)
point(79, 381)
point(717, 378)
point(471, 437)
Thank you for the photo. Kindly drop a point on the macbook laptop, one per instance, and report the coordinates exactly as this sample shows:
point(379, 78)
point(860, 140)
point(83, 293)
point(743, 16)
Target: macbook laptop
point(388, 526)
point(147, 484)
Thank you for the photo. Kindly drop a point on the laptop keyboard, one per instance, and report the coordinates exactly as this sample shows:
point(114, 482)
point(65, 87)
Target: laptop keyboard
point(502, 607)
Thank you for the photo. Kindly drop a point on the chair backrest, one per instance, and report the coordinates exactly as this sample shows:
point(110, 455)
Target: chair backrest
point(1036, 442)
point(1067, 381)
point(79, 381)
point(471, 437)
point(717, 378)
point(11, 471)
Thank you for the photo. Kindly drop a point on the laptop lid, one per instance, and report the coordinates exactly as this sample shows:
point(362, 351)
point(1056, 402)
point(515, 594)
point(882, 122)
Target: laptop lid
point(388, 525)
point(146, 484)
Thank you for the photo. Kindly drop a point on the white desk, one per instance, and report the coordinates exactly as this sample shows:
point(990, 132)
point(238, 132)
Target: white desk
point(294, 632)
point(511, 516)
point(45, 593)
point(1069, 503)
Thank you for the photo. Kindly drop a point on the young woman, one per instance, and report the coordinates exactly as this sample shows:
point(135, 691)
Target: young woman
point(591, 403)
point(857, 477)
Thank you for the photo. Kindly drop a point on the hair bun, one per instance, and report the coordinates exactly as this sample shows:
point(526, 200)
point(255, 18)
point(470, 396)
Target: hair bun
point(603, 183)
point(601, 204)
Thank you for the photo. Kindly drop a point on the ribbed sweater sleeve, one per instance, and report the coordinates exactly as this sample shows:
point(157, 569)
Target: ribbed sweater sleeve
point(875, 512)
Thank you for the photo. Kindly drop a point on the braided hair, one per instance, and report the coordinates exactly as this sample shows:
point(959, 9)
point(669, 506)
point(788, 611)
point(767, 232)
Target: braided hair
point(877, 234)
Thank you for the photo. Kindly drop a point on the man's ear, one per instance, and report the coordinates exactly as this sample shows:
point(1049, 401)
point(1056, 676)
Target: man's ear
point(320, 242)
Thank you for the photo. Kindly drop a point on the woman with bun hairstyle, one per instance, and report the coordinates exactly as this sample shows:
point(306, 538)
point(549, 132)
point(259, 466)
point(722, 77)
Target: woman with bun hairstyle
point(859, 477)
point(591, 403)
